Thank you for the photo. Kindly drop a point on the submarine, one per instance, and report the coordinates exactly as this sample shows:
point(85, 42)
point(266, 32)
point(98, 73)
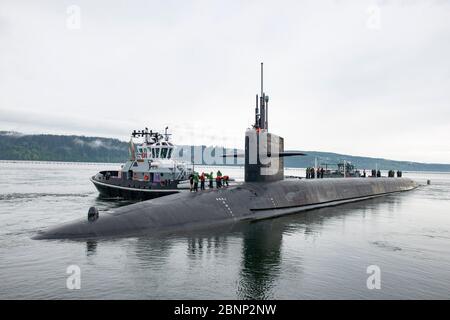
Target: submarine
point(264, 194)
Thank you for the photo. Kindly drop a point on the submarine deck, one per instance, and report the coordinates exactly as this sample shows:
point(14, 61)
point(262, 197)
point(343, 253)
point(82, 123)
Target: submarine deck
point(249, 201)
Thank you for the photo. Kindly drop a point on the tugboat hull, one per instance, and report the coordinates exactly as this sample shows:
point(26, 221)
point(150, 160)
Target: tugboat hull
point(107, 190)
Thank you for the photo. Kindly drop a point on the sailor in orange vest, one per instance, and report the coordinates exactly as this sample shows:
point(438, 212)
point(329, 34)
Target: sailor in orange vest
point(219, 179)
point(225, 180)
point(218, 182)
point(202, 181)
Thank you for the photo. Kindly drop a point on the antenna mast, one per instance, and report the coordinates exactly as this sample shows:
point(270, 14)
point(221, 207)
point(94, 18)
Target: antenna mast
point(262, 111)
point(262, 78)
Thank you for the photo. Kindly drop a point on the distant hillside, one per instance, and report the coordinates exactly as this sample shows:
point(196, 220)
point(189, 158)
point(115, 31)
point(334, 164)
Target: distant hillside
point(45, 147)
point(361, 162)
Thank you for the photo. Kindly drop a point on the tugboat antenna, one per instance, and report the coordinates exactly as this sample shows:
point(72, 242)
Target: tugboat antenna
point(166, 134)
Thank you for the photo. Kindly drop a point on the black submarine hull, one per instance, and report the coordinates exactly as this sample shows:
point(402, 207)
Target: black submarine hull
point(246, 202)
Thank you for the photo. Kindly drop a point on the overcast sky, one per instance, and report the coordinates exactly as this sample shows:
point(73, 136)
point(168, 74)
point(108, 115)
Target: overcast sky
point(368, 78)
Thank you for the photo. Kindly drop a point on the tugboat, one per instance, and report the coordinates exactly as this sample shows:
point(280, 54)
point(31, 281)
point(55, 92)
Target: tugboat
point(150, 172)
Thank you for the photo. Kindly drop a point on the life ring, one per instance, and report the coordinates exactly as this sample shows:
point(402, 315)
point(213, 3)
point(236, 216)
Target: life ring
point(146, 177)
point(162, 183)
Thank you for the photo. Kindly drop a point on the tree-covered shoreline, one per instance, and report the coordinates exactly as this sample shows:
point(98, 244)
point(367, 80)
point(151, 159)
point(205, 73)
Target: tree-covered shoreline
point(72, 148)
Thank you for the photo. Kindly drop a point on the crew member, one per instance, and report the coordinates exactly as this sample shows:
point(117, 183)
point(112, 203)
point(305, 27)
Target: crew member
point(211, 179)
point(218, 182)
point(219, 179)
point(202, 181)
point(195, 181)
point(191, 182)
point(225, 180)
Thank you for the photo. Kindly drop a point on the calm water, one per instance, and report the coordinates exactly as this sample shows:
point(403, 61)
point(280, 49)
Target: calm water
point(319, 254)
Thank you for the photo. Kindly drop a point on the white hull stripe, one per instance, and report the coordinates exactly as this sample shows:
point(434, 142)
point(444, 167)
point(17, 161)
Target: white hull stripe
point(134, 189)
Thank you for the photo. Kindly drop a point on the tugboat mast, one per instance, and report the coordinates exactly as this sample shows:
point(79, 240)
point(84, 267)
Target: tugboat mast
point(151, 137)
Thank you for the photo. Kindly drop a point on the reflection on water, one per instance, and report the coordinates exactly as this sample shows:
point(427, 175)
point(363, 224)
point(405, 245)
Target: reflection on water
point(317, 254)
point(260, 262)
point(91, 247)
point(212, 245)
point(260, 252)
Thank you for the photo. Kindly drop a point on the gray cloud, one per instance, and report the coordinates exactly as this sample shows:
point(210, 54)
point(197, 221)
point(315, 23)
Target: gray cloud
point(335, 84)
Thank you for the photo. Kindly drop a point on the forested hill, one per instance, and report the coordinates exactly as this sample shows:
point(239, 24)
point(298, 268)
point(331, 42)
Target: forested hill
point(45, 147)
point(324, 158)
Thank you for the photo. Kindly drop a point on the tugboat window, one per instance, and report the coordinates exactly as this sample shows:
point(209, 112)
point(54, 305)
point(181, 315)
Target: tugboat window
point(163, 152)
point(170, 154)
point(157, 152)
point(153, 153)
